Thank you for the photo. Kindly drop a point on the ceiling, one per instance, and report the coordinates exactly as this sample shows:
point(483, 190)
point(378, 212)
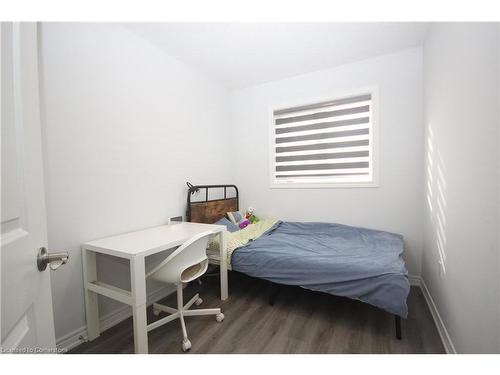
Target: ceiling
point(238, 55)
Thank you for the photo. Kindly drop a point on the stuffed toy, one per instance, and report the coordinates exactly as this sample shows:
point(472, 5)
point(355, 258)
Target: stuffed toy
point(250, 216)
point(243, 221)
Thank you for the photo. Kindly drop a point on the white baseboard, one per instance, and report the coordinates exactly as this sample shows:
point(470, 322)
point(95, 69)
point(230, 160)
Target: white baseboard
point(414, 280)
point(78, 336)
point(443, 332)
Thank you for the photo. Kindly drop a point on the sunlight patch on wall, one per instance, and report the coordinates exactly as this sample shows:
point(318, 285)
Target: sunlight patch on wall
point(436, 197)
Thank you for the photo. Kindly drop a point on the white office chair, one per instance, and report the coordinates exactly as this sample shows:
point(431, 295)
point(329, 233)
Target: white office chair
point(188, 262)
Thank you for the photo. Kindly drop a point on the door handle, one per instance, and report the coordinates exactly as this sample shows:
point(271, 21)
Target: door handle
point(54, 260)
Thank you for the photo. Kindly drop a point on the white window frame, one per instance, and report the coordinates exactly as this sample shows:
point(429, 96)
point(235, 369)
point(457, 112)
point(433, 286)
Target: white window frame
point(374, 142)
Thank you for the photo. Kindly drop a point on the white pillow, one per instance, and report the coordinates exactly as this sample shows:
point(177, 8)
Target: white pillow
point(235, 217)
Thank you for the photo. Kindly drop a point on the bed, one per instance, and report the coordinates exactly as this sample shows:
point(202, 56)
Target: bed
point(342, 260)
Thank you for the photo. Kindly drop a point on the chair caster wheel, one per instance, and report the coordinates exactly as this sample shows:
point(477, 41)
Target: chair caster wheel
point(219, 317)
point(156, 312)
point(186, 345)
point(198, 302)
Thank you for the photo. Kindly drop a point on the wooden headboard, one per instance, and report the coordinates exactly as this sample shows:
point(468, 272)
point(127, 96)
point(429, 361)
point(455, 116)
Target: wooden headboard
point(210, 210)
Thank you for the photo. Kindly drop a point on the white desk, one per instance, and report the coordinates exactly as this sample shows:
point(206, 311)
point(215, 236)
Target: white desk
point(135, 246)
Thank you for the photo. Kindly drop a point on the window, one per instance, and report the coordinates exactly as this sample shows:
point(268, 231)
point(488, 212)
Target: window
point(326, 144)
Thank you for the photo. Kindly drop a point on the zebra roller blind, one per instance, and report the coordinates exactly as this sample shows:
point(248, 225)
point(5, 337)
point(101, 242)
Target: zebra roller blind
point(326, 142)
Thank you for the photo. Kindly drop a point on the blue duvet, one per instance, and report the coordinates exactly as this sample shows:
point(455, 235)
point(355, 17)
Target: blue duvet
point(338, 259)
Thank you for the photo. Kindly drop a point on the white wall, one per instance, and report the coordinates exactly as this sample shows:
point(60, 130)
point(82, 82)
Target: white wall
point(462, 182)
point(394, 206)
point(125, 126)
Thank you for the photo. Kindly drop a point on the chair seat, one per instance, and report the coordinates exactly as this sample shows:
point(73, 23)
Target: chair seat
point(190, 272)
point(194, 271)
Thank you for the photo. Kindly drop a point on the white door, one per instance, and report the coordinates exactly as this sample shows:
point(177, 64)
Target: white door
point(27, 323)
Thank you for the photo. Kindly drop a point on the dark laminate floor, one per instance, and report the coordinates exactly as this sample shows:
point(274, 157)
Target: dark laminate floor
point(300, 321)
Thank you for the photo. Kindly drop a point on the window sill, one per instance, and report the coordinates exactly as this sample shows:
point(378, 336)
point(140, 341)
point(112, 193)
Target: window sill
point(347, 185)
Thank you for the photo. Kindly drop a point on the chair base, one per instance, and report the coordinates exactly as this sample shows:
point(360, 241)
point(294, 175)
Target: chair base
point(181, 312)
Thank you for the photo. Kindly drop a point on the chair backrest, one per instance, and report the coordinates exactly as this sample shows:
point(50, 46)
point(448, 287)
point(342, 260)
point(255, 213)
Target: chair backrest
point(189, 254)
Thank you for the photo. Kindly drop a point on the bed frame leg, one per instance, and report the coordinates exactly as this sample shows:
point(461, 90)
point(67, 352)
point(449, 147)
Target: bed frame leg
point(274, 290)
point(398, 326)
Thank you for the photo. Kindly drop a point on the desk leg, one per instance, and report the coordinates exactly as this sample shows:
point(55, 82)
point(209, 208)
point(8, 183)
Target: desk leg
point(138, 284)
point(91, 301)
point(223, 266)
